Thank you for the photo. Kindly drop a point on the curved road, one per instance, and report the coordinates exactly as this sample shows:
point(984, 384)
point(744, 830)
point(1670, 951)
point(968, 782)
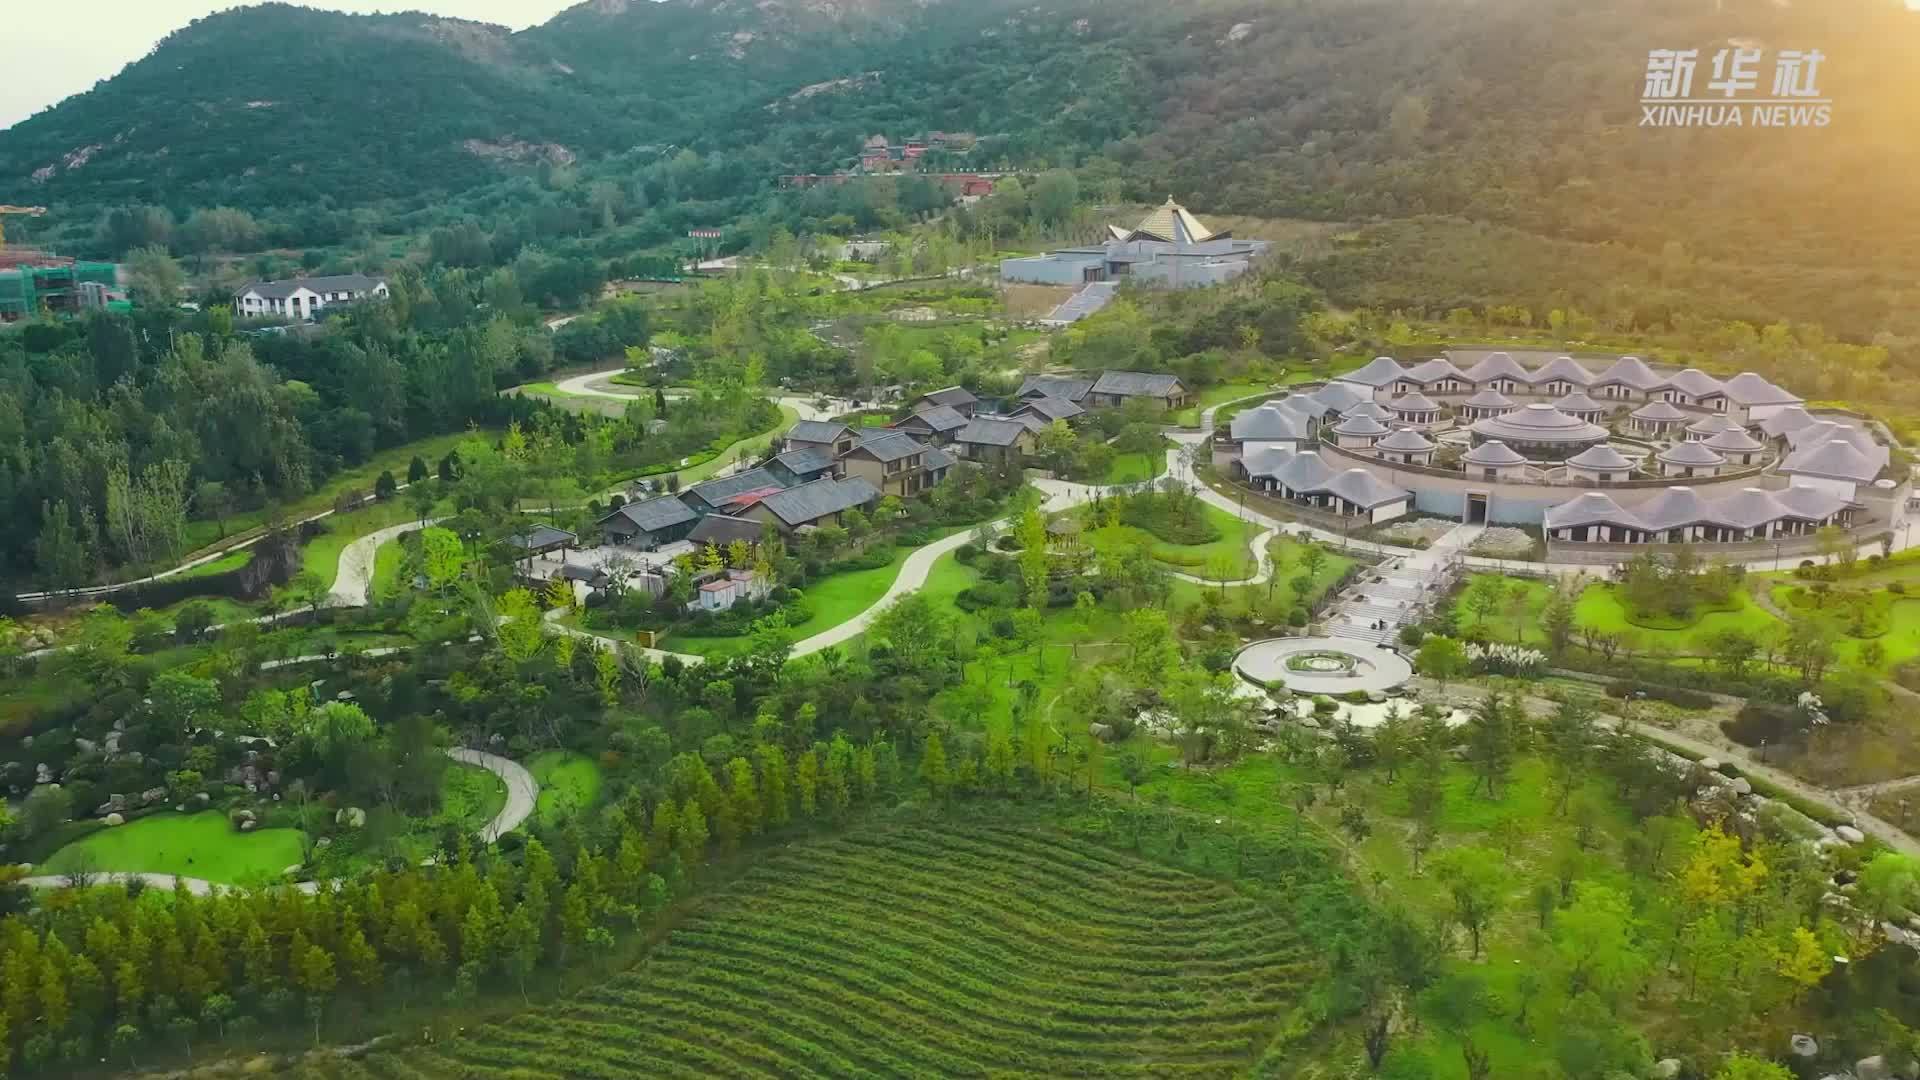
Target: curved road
point(354, 578)
point(522, 794)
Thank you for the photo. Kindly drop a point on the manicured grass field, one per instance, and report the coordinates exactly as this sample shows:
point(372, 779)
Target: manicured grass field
point(1134, 468)
point(1503, 625)
point(1217, 395)
point(232, 561)
point(387, 562)
point(321, 556)
point(915, 951)
point(1601, 607)
point(833, 599)
point(752, 444)
point(199, 845)
point(569, 784)
point(471, 795)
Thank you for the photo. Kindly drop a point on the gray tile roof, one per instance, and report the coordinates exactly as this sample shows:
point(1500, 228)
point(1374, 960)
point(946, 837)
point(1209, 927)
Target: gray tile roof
point(1662, 412)
point(1602, 457)
point(1406, 441)
point(1691, 453)
point(1304, 472)
point(939, 418)
point(1266, 461)
point(1360, 426)
point(1735, 440)
point(1746, 509)
point(1428, 372)
point(1791, 418)
point(541, 536)
point(1592, 508)
point(937, 459)
point(1673, 508)
point(1497, 366)
point(816, 431)
point(812, 459)
point(1137, 384)
point(715, 492)
point(1336, 397)
point(1378, 372)
point(1415, 402)
point(891, 446)
point(992, 431)
point(1747, 388)
point(1363, 489)
point(1825, 431)
point(1712, 424)
point(721, 530)
point(1837, 459)
point(1370, 409)
point(1269, 422)
point(1630, 371)
point(1695, 383)
point(1538, 423)
point(280, 290)
point(1562, 369)
point(1490, 399)
point(1068, 387)
point(653, 515)
point(1493, 453)
point(1051, 408)
point(810, 502)
point(1579, 402)
point(1810, 503)
point(952, 395)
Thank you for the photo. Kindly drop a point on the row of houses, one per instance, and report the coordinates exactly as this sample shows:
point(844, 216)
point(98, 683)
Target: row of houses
point(305, 298)
point(1746, 397)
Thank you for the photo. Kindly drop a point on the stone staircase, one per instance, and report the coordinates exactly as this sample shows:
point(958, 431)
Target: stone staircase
point(1091, 298)
point(1393, 595)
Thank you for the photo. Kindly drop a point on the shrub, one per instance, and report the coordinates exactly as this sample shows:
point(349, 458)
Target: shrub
point(967, 554)
point(919, 537)
point(1412, 635)
point(1759, 721)
point(1897, 588)
point(1355, 697)
point(1672, 695)
point(1297, 617)
point(871, 559)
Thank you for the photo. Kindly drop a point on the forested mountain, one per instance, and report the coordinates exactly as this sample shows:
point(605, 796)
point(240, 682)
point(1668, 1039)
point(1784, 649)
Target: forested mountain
point(1510, 127)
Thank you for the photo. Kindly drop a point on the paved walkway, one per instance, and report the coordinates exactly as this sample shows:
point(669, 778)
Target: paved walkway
point(522, 795)
point(1263, 565)
point(522, 791)
point(354, 578)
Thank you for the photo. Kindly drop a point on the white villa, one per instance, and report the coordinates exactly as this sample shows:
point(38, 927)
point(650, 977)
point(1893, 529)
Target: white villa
point(304, 298)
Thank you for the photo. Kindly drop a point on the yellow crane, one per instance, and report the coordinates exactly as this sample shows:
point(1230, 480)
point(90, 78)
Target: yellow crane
point(29, 211)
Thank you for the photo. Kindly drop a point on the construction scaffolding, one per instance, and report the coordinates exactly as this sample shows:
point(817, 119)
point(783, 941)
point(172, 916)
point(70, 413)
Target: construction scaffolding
point(58, 285)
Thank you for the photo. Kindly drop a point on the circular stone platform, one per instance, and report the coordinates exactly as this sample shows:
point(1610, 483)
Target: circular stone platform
point(1322, 665)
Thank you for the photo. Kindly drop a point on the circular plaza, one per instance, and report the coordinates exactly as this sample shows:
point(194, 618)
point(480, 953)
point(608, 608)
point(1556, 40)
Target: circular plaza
point(1313, 665)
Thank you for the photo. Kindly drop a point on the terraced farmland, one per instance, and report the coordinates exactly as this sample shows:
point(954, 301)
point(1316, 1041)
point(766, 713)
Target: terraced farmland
point(969, 951)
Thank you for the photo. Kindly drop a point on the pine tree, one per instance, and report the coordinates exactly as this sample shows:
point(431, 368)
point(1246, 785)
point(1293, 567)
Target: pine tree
point(839, 778)
point(630, 865)
point(774, 796)
point(522, 946)
point(933, 766)
point(806, 783)
point(362, 962)
point(692, 838)
point(866, 773)
point(574, 920)
point(666, 822)
point(744, 795)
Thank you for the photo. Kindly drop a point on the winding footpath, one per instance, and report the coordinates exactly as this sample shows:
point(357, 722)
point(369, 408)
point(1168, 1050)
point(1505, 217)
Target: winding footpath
point(522, 795)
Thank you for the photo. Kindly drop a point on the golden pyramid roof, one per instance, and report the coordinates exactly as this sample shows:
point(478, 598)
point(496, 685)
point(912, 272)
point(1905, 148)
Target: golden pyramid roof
point(1173, 224)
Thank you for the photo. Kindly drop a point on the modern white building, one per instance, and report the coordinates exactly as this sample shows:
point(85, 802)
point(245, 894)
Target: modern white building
point(1170, 248)
point(304, 298)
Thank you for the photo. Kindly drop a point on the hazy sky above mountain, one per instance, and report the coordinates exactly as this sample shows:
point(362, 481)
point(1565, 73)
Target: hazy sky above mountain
point(50, 51)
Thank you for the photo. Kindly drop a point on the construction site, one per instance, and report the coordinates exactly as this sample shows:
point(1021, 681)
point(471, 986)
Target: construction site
point(34, 282)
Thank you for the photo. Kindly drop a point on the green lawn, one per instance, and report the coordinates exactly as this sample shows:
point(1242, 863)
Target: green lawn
point(833, 599)
point(1600, 607)
point(387, 562)
point(322, 553)
point(205, 534)
point(231, 561)
point(199, 845)
point(752, 444)
point(569, 784)
point(1218, 395)
point(1134, 468)
point(470, 795)
point(1507, 623)
point(1235, 541)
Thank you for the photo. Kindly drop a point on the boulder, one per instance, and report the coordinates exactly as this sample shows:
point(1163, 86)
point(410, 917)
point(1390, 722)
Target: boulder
point(1666, 1069)
point(1804, 1046)
point(1873, 1068)
point(85, 746)
point(113, 742)
point(1099, 730)
point(1711, 764)
point(42, 774)
point(27, 742)
point(1741, 786)
point(273, 777)
point(248, 825)
point(199, 800)
point(350, 817)
point(113, 819)
point(323, 842)
point(1850, 834)
point(152, 795)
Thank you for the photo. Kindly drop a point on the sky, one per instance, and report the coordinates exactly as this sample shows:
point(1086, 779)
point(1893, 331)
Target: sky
point(50, 51)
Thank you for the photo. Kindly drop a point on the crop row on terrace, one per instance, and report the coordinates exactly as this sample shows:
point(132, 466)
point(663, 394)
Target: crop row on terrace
point(963, 951)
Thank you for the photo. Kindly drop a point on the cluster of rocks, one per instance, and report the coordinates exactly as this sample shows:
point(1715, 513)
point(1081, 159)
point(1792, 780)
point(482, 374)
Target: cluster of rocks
point(118, 804)
point(1807, 1048)
point(253, 777)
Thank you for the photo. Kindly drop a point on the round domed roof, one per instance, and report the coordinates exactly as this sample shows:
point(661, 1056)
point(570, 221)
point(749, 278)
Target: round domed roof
point(1539, 423)
point(1493, 452)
